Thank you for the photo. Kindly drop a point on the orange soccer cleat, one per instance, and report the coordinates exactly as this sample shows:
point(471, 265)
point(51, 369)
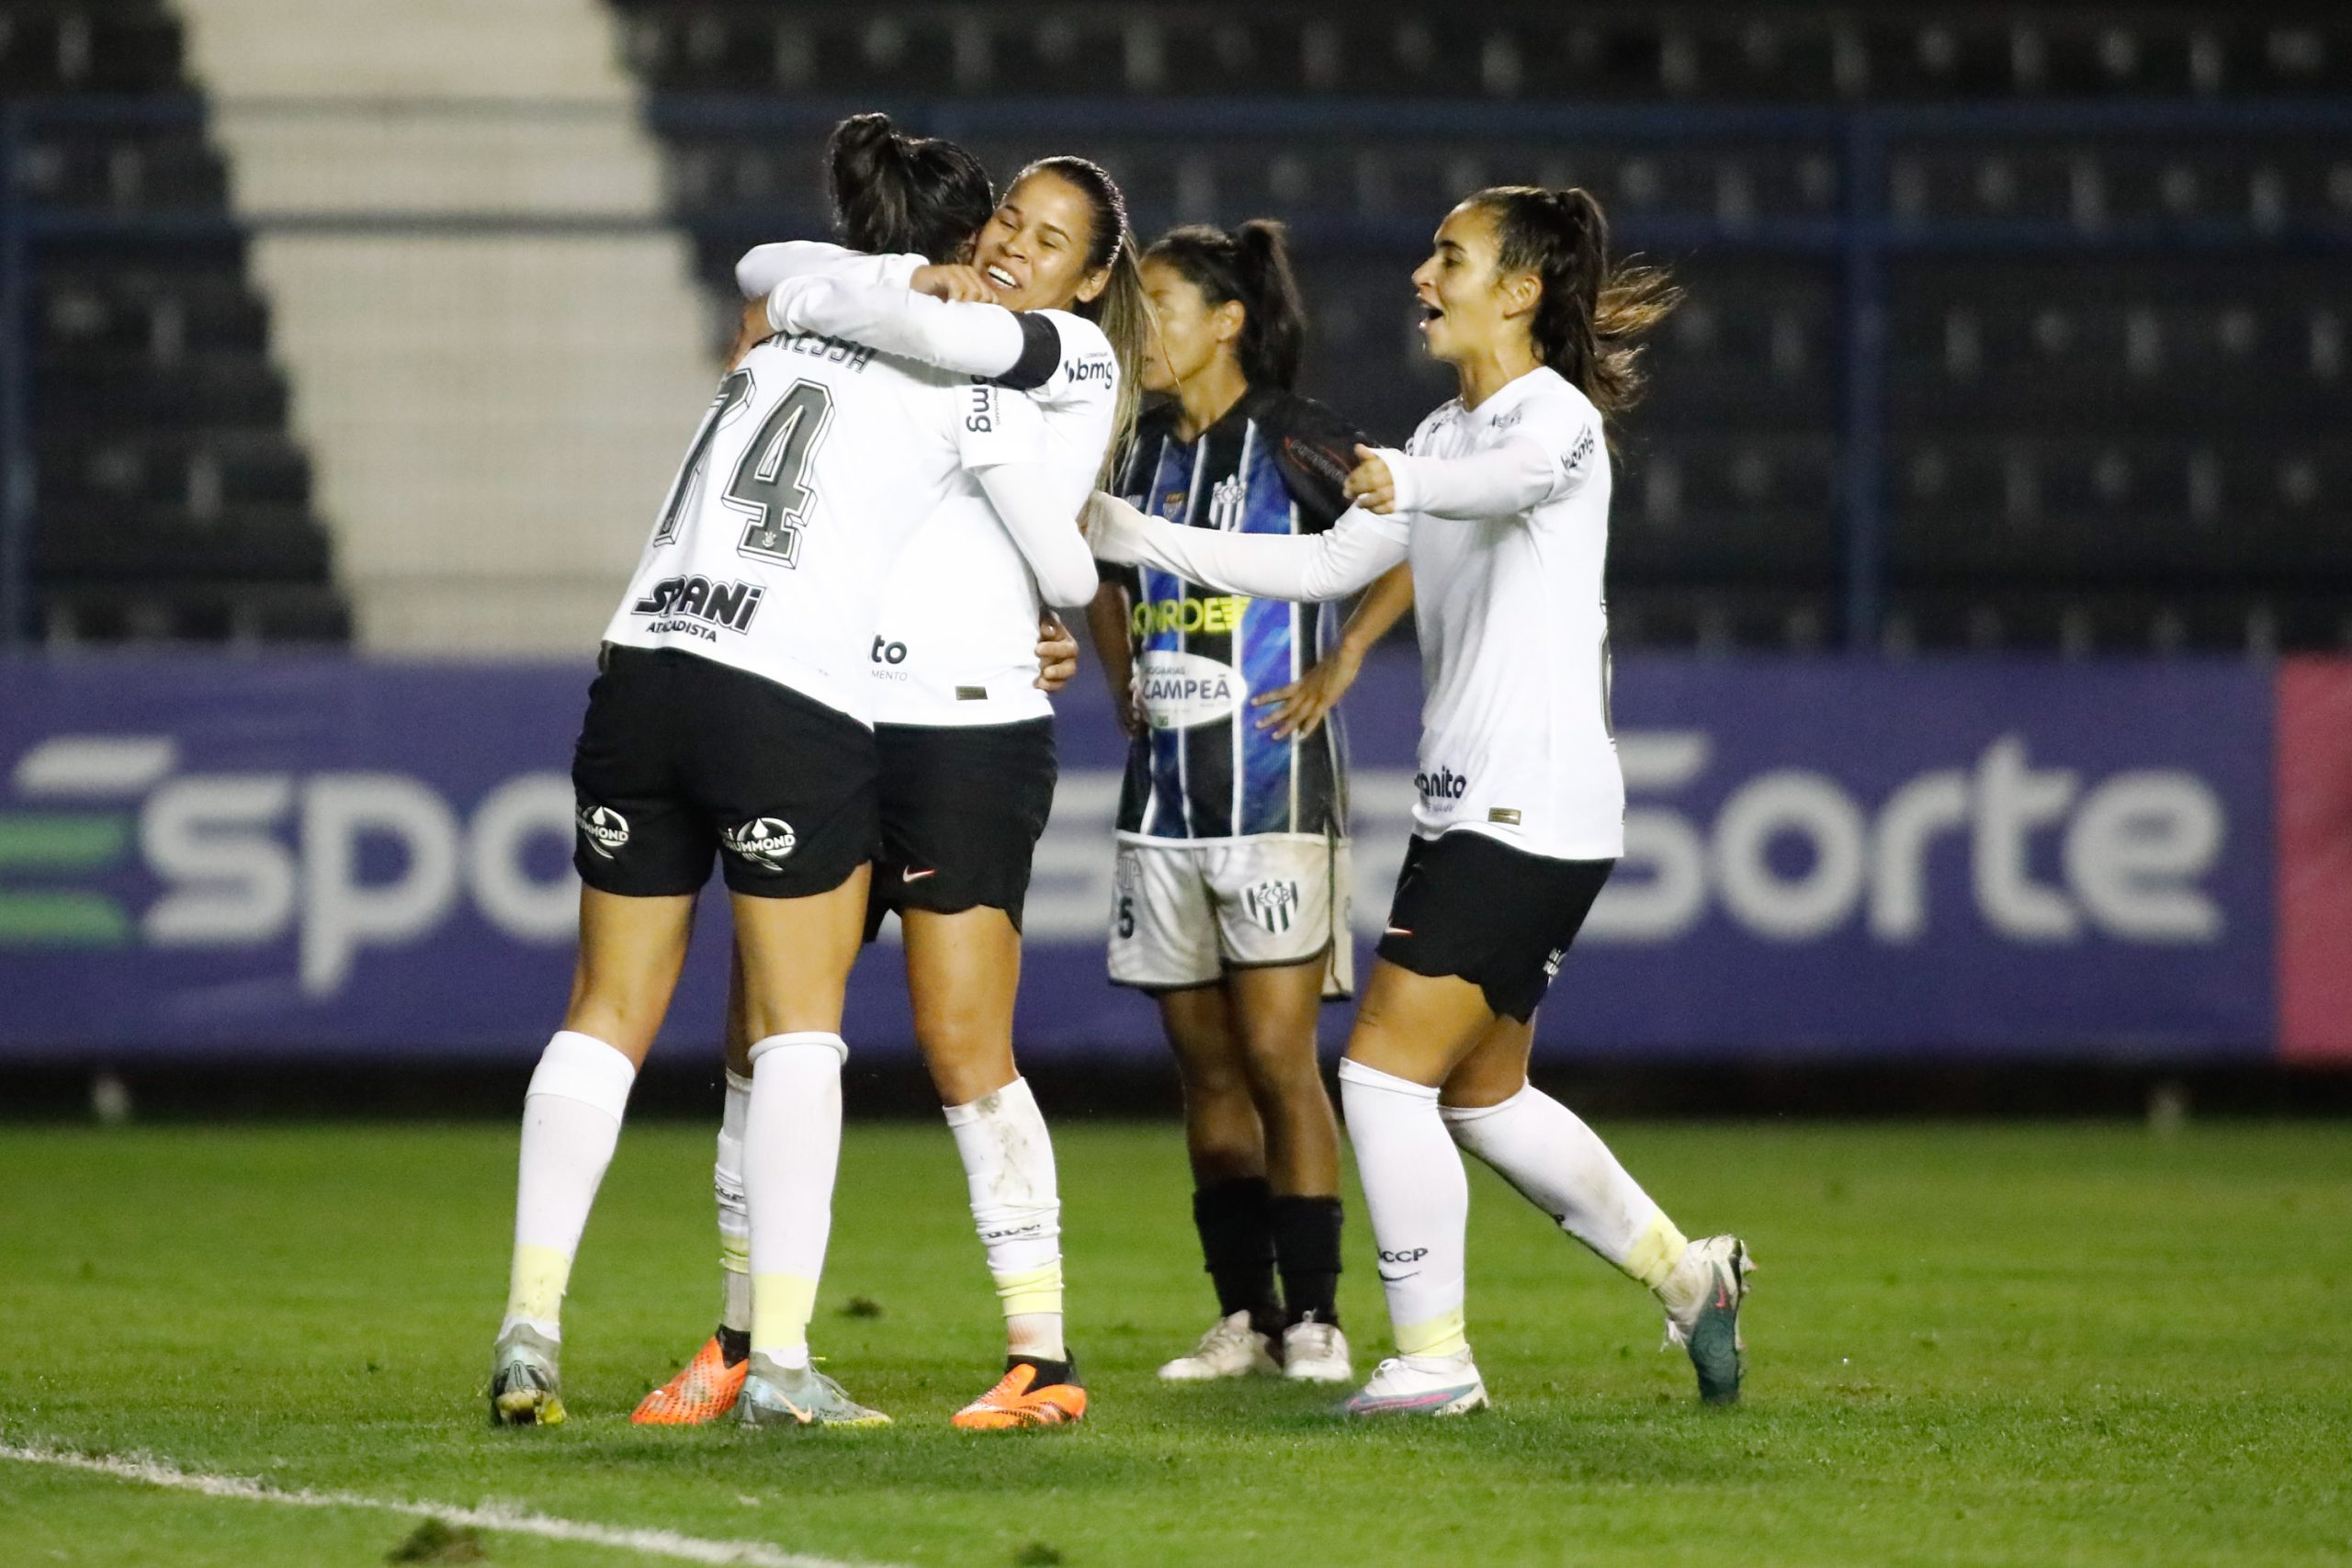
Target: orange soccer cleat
point(1017, 1400)
point(696, 1396)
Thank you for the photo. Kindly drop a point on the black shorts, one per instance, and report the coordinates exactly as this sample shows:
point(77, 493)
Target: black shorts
point(683, 758)
point(962, 810)
point(1470, 906)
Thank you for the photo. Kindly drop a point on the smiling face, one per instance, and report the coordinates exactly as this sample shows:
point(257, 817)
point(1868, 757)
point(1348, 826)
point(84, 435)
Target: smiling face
point(1193, 332)
point(1467, 307)
point(1033, 249)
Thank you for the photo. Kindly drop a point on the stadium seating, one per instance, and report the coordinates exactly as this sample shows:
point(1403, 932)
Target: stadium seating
point(2096, 432)
point(170, 500)
point(1520, 50)
point(2087, 451)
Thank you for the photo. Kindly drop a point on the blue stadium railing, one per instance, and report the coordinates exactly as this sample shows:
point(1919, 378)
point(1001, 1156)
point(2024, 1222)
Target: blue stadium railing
point(1860, 240)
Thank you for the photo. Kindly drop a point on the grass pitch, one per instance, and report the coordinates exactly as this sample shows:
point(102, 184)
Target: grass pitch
point(2055, 1345)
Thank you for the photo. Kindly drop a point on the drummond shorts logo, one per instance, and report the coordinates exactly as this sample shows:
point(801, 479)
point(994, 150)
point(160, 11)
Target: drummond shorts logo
point(602, 830)
point(766, 841)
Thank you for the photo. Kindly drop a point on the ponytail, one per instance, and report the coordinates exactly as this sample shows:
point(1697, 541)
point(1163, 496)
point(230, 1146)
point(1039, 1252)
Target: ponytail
point(1593, 311)
point(892, 192)
point(1250, 264)
point(1121, 309)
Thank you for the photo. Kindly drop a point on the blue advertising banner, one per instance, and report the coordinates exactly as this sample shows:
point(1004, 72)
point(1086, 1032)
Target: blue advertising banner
point(327, 858)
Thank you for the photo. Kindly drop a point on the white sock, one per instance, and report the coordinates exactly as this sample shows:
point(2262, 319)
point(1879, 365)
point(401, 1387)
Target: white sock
point(1558, 1164)
point(734, 1216)
point(792, 1144)
point(1009, 1166)
point(571, 1122)
point(1418, 1198)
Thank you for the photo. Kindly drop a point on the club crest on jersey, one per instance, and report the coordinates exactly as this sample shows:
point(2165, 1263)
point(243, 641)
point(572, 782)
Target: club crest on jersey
point(1227, 499)
point(1271, 903)
point(764, 841)
point(1182, 689)
point(694, 604)
point(604, 830)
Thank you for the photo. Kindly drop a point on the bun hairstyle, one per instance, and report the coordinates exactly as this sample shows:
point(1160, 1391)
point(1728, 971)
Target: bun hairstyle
point(1593, 311)
point(1121, 309)
point(1249, 264)
point(892, 192)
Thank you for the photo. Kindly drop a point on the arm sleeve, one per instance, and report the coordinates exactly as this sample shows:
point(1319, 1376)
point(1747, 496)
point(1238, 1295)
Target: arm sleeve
point(1342, 559)
point(1034, 483)
point(763, 266)
point(1510, 477)
point(971, 340)
point(1038, 505)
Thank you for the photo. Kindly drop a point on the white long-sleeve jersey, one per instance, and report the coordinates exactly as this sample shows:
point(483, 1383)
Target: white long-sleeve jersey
point(816, 464)
point(1503, 511)
point(956, 641)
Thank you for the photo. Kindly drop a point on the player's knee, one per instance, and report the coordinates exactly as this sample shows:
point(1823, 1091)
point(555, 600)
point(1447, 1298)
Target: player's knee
point(967, 1057)
point(1212, 1078)
point(1279, 1054)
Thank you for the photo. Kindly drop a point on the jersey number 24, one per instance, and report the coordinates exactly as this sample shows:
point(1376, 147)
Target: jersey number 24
point(767, 485)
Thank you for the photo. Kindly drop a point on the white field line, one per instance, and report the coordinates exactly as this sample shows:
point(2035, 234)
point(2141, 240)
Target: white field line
point(493, 1516)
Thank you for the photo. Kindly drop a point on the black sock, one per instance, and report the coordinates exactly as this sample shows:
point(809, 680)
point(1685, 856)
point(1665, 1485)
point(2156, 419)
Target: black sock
point(735, 1345)
point(1306, 1245)
point(1049, 1372)
point(1237, 1241)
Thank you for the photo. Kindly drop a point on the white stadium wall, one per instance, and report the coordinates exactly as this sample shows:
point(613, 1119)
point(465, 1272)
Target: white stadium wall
point(492, 413)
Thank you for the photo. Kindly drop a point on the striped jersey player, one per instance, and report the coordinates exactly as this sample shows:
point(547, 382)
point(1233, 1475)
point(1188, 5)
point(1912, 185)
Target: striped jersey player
point(1211, 796)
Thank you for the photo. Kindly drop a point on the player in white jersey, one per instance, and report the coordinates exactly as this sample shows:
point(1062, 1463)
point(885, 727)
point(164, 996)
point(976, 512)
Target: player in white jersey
point(730, 719)
point(965, 734)
point(1500, 504)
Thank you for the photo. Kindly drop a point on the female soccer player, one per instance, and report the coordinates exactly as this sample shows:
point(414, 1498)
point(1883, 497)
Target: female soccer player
point(1500, 504)
point(730, 718)
point(966, 736)
point(1232, 889)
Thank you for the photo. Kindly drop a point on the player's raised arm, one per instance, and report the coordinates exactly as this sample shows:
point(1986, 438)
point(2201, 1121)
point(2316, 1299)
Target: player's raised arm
point(968, 339)
point(1344, 558)
point(1521, 471)
point(763, 267)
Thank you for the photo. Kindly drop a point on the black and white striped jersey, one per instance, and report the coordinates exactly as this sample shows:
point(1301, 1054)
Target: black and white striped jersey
point(1204, 769)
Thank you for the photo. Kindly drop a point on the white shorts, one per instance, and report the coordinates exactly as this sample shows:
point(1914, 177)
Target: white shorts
point(1183, 914)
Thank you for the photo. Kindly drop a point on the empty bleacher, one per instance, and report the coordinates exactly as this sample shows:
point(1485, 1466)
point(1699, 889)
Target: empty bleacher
point(1754, 53)
point(2114, 335)
point(170, 500)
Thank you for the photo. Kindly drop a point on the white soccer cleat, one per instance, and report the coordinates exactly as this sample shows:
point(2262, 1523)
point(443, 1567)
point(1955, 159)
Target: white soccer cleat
point(1711, 1281)
point(525, 1388)
point(777, 1396)
point(1315, 1352)
point(1421, 1385)
point(1231, 1349)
